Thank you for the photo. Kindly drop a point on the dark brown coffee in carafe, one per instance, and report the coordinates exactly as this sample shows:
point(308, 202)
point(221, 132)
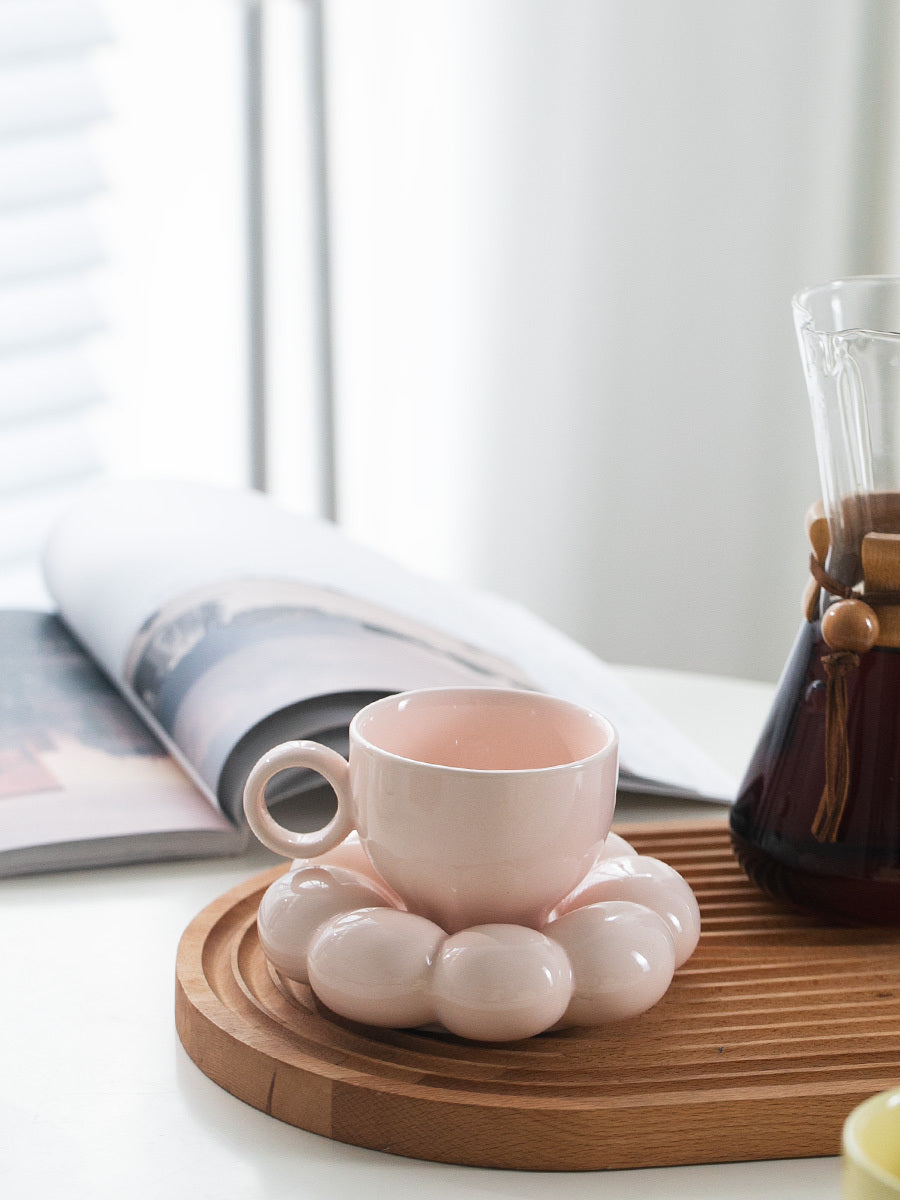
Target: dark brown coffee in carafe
point(856, 877)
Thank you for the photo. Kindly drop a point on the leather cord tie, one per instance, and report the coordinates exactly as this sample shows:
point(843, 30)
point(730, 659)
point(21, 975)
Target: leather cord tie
point(827, 584)
point(833, 802)
point(850, 629)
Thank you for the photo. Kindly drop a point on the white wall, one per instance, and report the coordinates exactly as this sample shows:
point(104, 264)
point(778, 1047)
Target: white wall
point(565, 236)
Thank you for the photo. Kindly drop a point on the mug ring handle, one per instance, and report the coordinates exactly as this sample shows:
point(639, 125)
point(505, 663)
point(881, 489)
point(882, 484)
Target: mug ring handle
point(327, 763)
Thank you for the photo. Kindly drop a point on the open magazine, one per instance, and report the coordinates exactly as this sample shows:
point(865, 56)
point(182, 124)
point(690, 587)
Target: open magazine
point(197, 627)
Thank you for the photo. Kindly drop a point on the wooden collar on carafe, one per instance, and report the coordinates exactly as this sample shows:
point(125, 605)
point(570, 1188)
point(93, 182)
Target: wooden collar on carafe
point(850, 628)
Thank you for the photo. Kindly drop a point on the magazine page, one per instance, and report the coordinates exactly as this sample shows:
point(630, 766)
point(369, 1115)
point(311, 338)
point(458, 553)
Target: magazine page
point(129, 552)
point(229, 670)
point(82, 781)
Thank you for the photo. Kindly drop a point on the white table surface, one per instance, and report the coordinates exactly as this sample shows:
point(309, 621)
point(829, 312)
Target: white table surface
point(98, 1099)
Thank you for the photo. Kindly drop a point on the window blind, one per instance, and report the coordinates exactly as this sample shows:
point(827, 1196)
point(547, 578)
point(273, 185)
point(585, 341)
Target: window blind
point(51, 250)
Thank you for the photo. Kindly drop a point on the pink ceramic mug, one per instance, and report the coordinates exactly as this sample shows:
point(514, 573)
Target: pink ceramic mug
point(475, 804)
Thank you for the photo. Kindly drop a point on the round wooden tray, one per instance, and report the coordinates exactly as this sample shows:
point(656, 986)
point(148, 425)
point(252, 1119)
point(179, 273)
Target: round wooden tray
point(769, 1035)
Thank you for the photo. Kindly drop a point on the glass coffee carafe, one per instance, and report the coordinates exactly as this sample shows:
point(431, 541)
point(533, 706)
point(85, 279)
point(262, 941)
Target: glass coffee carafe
point(817, 818)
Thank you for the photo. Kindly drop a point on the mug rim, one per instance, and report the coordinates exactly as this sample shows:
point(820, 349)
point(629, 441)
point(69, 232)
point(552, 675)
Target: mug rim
point(607, 750)
point(850, 1142)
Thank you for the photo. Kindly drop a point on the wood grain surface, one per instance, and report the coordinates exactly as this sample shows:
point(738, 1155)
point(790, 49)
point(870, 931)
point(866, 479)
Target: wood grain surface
point(881, 571)
point(776, 1027)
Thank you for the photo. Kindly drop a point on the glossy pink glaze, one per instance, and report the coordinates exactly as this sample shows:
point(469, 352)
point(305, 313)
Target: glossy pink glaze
point(615, 847)
point(481, 888)
point(473, 804)
point(374, 965)
point(381, 965)
point(481, 805)
point(482, 729)
point(646, 881)
point(500, 983)
point(297, 903)
point(351, 856)
point(622, 957)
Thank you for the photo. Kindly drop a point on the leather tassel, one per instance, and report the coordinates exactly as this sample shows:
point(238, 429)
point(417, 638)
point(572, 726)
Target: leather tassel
point(830, 812)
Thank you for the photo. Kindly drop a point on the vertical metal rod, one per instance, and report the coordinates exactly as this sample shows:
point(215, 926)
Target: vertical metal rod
point(256, 245)
point(328, 504)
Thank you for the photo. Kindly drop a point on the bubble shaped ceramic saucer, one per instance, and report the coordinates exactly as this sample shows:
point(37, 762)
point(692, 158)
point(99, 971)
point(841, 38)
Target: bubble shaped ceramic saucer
point(607, 952)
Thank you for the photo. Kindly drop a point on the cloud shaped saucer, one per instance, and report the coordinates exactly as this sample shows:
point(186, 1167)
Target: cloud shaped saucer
point(607, 952)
